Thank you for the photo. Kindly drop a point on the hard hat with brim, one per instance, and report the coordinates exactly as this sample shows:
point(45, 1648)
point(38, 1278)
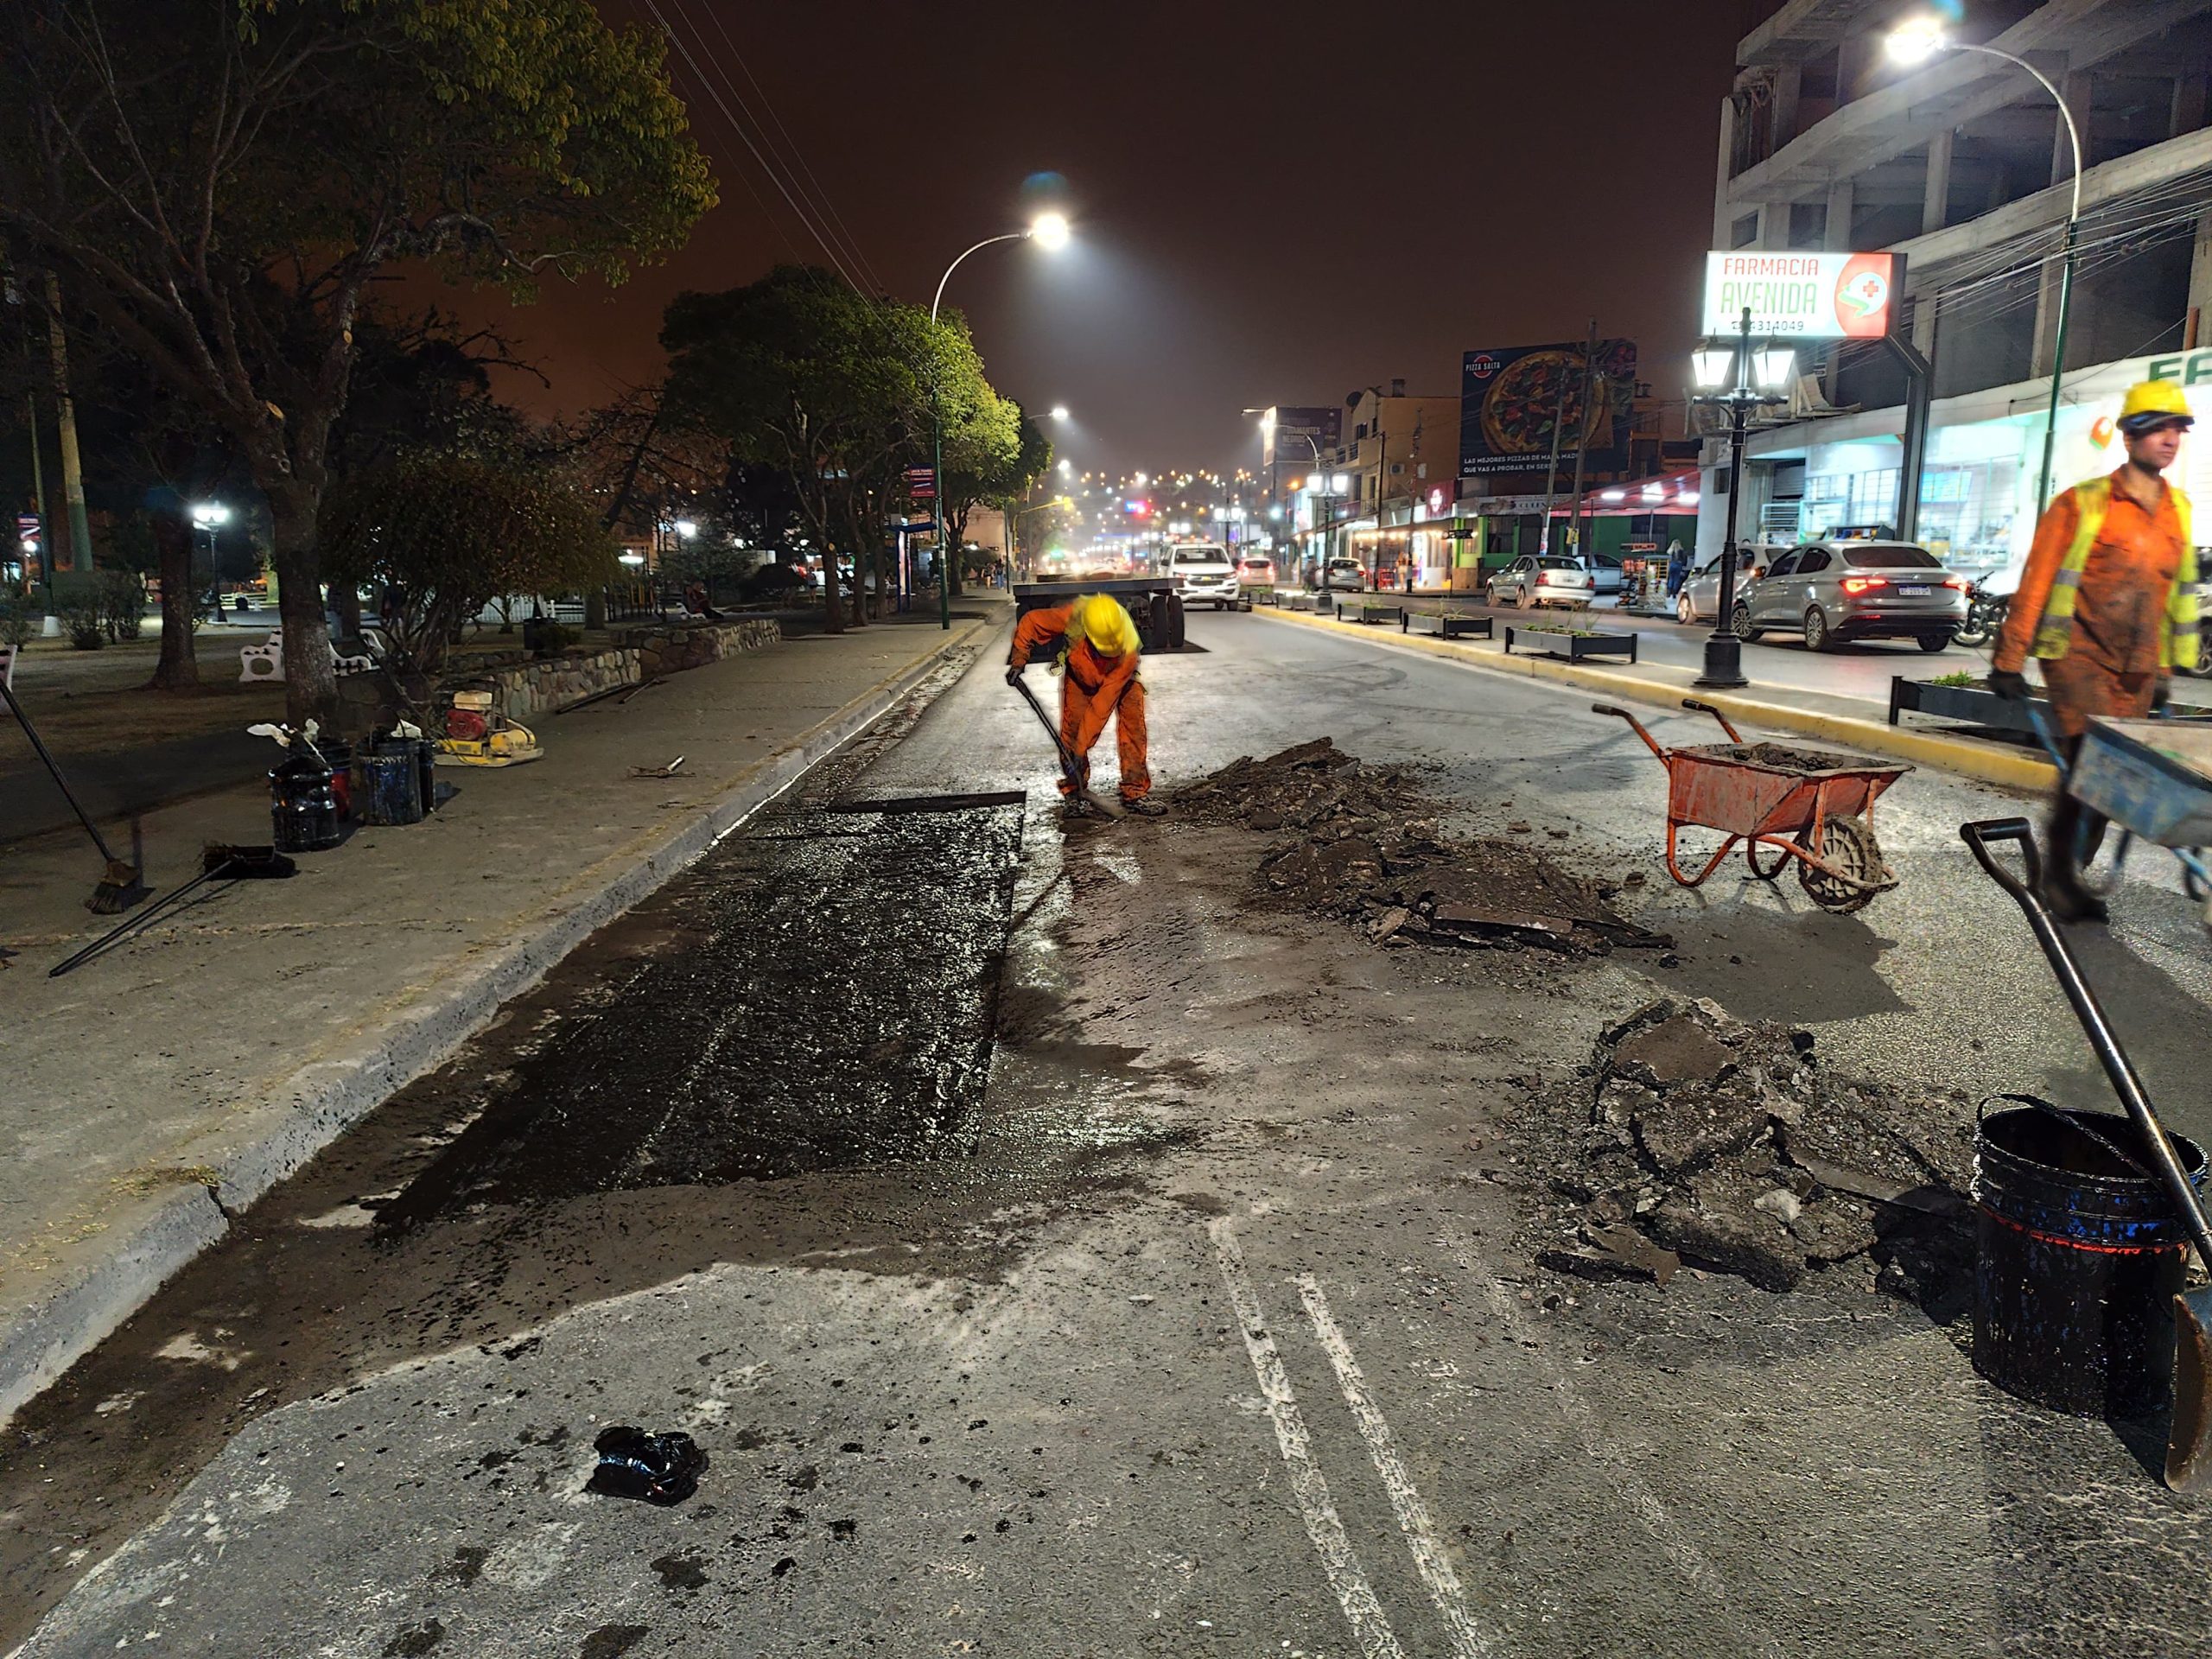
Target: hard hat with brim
point(2153, 404)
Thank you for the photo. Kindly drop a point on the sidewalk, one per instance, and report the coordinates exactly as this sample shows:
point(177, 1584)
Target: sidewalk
point(1855, 722)
point(159, 1088)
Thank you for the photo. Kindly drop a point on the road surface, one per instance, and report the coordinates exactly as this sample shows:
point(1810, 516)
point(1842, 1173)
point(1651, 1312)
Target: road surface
point(1060, 1250)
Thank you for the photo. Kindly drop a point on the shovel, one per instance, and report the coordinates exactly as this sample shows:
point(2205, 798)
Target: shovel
point(2189, 1437)
point(1071, 767)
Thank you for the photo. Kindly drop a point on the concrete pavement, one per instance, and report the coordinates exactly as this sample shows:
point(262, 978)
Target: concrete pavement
point(159, 1089)
point(1217, 1339)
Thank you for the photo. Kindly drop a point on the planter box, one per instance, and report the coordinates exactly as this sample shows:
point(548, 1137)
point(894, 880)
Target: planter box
point(1447, 624)
point(1258, 593)
point(1366, 613)
point(1977, 705)
point(1571, 647)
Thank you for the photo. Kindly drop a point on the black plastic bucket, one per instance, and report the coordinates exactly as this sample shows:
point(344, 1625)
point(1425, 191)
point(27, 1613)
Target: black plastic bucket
point(303, 809)
point(426, 766)
point(391, 786)
point(2079, 1259)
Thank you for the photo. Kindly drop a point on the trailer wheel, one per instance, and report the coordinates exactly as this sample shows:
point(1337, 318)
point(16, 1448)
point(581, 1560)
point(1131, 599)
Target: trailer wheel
point(1175, 630)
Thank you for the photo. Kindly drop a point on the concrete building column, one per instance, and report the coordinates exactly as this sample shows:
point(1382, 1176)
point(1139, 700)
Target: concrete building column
point(1935, 197)
point(1788, 81)
point(1774, 224)
point(1724, 218)
point(1835, 238)
point(2198, 325)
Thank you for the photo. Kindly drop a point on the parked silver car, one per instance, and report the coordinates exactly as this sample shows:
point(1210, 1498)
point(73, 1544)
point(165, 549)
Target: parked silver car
point(1831, 593)
point(1540, 579)
point(1700, 599)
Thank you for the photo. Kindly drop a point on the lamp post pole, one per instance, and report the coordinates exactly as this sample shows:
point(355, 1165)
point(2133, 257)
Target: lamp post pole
point(1723, 651)
point(936, 438)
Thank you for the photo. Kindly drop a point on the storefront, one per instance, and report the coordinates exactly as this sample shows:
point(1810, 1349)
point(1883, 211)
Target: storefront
point(1978, 485)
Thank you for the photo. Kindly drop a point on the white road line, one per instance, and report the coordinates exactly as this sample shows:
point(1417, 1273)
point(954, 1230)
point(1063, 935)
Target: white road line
point(1415, 1520)
point(1338, 1562)
point(1635, 1497)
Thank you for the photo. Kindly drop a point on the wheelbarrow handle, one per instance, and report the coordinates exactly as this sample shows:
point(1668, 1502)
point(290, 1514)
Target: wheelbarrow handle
point(1734, 736)
point(1637, 725)
point(2118, 1069)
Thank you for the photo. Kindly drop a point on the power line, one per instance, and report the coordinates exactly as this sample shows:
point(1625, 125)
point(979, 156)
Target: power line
point(745, 137)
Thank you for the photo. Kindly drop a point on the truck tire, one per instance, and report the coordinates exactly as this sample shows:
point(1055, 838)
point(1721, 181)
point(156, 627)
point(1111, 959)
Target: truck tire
point(1175, 629)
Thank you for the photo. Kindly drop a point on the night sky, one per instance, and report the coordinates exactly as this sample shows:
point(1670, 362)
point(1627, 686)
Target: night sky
point(1273, 203)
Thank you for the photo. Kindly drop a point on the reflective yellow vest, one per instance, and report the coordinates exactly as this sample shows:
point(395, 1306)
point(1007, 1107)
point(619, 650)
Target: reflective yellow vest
point(2176, 629)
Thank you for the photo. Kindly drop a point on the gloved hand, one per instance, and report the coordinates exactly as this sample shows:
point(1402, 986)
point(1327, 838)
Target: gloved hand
point(2161, 694)
point(1014, 672)
point(2012, 687)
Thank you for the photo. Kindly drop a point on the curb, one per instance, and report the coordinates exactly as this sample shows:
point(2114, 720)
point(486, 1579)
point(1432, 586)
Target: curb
point(1975, 760)
point(304, 1112)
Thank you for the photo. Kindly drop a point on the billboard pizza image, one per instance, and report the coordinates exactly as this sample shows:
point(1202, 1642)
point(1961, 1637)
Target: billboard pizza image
point(1804, 296)
point(1511, 397)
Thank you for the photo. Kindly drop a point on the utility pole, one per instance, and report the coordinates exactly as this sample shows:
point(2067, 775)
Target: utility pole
point(72, 474)
point(1582, 434)
point(1551, 475)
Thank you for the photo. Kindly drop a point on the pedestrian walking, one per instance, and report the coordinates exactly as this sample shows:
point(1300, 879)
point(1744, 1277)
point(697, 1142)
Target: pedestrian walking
point(2108, 606)
point(1098, 666)
point(1678, 567)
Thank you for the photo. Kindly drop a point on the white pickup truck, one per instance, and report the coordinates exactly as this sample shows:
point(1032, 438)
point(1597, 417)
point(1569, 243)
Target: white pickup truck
point(1204, 574)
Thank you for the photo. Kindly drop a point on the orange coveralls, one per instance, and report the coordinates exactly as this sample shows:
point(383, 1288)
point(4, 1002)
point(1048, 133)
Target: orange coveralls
point(2112, 666)
point(1088, 686)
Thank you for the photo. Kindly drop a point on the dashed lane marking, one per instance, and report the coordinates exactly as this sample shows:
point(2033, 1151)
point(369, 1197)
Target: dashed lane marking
point(1322, 1525)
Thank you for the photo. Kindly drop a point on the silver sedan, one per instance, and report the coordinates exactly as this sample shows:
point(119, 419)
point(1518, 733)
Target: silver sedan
point(1832, 593)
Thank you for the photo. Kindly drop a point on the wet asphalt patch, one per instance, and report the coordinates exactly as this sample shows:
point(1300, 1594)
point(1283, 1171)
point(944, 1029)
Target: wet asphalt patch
point(831, 1007)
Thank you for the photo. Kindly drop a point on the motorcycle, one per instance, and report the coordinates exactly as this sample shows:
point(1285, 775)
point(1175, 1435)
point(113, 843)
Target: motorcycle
point(1987, 600)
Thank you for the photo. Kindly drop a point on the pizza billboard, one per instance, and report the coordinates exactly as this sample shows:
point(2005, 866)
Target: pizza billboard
point(1511, 397)
point(1802, 296)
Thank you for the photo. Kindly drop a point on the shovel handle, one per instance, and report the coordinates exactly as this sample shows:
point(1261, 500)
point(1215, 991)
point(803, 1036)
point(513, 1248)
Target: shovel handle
point(2117, 1067)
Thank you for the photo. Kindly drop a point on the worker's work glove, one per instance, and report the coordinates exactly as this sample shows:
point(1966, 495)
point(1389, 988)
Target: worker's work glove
point(1014, 672)
point(2012, 687)
point(2161, 694)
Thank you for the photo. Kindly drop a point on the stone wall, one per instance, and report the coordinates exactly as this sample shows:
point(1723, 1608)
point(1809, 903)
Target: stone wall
point(536, 687)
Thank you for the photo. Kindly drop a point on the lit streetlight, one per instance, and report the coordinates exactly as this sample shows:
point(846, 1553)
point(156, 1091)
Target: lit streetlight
point(1727, 375)
point(1059, 411)
point(1051, 232)
point(1915, 43)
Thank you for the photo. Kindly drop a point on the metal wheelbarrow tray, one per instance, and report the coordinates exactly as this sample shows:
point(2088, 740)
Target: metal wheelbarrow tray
point(1818, 816)
point(2154, 779)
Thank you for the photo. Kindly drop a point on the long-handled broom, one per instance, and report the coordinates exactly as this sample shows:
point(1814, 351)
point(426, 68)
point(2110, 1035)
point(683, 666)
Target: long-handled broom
point(124, 885)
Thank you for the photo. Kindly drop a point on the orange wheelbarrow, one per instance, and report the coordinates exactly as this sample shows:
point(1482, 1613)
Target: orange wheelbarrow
point(1816, 809)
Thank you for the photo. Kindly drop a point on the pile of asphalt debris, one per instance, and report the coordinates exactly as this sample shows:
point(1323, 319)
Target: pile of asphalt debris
point(1363, 843)
point(1692, 1137)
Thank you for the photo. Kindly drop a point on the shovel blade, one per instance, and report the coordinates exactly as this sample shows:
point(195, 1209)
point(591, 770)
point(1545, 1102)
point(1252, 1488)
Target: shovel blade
point(2188, 1439)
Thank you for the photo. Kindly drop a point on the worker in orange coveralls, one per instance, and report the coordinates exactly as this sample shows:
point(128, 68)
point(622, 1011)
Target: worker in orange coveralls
point(2108, 606)
point(1099, 679)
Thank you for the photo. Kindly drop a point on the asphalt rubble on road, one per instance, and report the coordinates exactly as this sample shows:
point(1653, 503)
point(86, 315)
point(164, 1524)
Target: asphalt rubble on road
point(1363, 843)
point(1693, 1137)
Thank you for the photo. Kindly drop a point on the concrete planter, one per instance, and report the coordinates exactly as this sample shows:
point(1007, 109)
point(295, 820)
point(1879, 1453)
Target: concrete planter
point(1571, 646)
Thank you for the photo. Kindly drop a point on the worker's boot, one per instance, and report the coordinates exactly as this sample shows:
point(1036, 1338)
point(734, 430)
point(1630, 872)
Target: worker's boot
point(2064, 895)
point(1144, 807)
point(1074, 809)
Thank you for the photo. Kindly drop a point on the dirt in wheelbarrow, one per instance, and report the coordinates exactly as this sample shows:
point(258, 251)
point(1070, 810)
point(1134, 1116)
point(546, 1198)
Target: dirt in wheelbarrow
point(1365, 844)
point(1783, 757)
point(1692, 1138)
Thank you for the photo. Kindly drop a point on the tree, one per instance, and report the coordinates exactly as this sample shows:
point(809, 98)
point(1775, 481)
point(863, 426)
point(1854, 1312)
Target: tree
point(445, 533)
point(995, 467)
point(220, 180)
point(798, 372)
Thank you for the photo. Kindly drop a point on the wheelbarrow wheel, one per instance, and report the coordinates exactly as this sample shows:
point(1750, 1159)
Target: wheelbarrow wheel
point(1847, 846)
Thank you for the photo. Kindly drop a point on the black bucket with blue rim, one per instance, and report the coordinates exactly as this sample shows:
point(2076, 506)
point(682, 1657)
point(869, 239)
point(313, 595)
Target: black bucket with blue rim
point(2080, 1254)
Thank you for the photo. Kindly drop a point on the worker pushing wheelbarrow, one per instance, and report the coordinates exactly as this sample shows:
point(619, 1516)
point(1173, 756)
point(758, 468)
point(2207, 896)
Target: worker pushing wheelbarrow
point(1813, 809)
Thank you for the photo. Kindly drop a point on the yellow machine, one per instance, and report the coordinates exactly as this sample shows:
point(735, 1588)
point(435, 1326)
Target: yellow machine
point(477, 737)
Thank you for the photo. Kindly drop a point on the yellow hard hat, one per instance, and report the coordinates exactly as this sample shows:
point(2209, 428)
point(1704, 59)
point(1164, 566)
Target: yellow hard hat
point(2154, 403)
point(1105, 625)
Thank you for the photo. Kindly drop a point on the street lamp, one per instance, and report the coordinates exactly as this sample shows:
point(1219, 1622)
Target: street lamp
point(1740, 380)
point(1915, 43)
point(1050, 231)
point(1059, 411)
point(208, 517)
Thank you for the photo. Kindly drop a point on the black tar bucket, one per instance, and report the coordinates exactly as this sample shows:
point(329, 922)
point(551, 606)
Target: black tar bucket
point(2080, 1256)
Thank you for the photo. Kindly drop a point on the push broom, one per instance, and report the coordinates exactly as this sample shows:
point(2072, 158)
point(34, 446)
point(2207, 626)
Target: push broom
point(124, 884)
